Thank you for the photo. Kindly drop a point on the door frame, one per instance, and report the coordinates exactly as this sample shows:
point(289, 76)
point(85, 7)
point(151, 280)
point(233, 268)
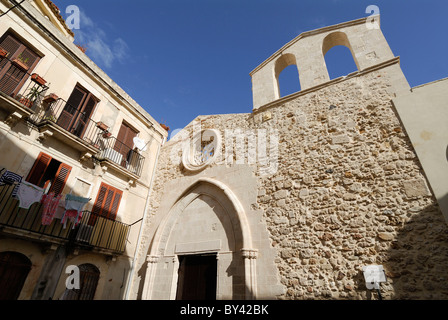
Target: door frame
point(178, 266)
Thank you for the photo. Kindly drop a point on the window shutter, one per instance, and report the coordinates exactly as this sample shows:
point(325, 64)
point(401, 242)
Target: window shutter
point(107, 202)
point(12, 77)
point(82, 119)
point(115, 204)
point(60, 179)
point(10, 44)
point(125, 141)
point(29, 56)
point(98, 205)
point(38, 169)
point(70, 109)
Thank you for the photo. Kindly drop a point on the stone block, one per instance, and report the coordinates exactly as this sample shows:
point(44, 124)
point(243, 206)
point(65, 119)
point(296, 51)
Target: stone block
point(415, 188)
point(281, 194)
point(340, 139)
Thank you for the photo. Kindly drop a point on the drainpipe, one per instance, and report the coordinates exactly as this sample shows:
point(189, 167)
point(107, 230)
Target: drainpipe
point(132, 270)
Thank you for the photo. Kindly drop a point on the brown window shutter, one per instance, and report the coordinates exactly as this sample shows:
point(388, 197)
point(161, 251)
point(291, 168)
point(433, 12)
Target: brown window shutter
point(10, 44)
point(38, 169)
point(83, 117)
point(98, 205)
point(125, 141)
point(115, 204)
point(107, 201)
point(70, 109)
point(77, 111)
point(11, 77)
point(60, 179)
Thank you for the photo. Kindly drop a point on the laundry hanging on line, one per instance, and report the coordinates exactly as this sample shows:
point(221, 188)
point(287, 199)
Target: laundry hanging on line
point(50, 204)
point(73, 209)
point(28, 193)
point(9, 177)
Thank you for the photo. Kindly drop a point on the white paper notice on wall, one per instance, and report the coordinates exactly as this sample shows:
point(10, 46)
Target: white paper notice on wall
point(374, 275)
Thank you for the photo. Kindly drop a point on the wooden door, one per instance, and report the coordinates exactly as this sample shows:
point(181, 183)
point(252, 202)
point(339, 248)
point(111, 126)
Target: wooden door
point(197, 277)
point(14, 268)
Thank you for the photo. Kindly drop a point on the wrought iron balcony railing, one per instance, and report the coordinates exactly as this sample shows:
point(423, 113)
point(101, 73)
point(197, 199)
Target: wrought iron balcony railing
point(92, 231)
point(118, 152)
point(63, 115)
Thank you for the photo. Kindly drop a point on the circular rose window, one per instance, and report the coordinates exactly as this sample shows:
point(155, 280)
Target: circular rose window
point(202, 151)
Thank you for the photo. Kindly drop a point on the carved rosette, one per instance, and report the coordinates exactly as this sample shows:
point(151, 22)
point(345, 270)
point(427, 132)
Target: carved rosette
point(202, 150)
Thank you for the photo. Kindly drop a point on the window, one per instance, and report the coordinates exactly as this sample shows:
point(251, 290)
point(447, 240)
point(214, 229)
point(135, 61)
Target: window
point(13, 74)
point(339, 62)
point(82, 187)
point(49, 173)
point(77, 111)
point(339, 58)
point(288, 81)
point(125, 142)
point(287, 75)
point(107, 202)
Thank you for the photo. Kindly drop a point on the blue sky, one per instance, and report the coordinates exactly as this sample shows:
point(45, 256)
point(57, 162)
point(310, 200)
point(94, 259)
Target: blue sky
point(183, 58)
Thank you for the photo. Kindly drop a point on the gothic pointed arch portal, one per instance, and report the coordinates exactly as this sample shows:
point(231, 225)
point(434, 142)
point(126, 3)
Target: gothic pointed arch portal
point(206, 219)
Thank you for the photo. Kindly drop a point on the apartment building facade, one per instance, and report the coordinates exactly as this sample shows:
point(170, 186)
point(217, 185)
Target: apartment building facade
point(68, 132)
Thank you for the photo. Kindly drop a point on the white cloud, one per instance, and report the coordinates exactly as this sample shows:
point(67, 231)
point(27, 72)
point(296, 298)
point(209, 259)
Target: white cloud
point(103, 51)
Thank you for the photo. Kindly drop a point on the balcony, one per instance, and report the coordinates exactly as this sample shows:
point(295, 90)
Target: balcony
point(56, 117)
point(93, 231)
point(120, 157)
point(20, 91)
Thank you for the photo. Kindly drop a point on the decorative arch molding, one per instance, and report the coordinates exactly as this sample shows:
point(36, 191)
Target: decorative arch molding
point(226, 197)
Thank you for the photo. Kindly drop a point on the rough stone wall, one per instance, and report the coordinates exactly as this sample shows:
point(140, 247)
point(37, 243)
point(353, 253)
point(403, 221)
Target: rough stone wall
point(348, 192)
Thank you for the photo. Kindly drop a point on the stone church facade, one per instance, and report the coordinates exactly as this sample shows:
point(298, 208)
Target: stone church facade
point(293, 199)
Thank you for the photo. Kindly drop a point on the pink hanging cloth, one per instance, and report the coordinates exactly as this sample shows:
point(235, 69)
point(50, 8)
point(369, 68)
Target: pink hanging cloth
point(50, 204)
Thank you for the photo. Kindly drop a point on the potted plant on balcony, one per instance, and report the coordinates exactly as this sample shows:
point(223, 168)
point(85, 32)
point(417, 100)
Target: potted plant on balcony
point(102, 126)
point(106, 134)
point(164, 126)
point(21, 62)
point(31, 97)
point(38, 79)
point(3, 53)
point(51, 118)
point(50, 98)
